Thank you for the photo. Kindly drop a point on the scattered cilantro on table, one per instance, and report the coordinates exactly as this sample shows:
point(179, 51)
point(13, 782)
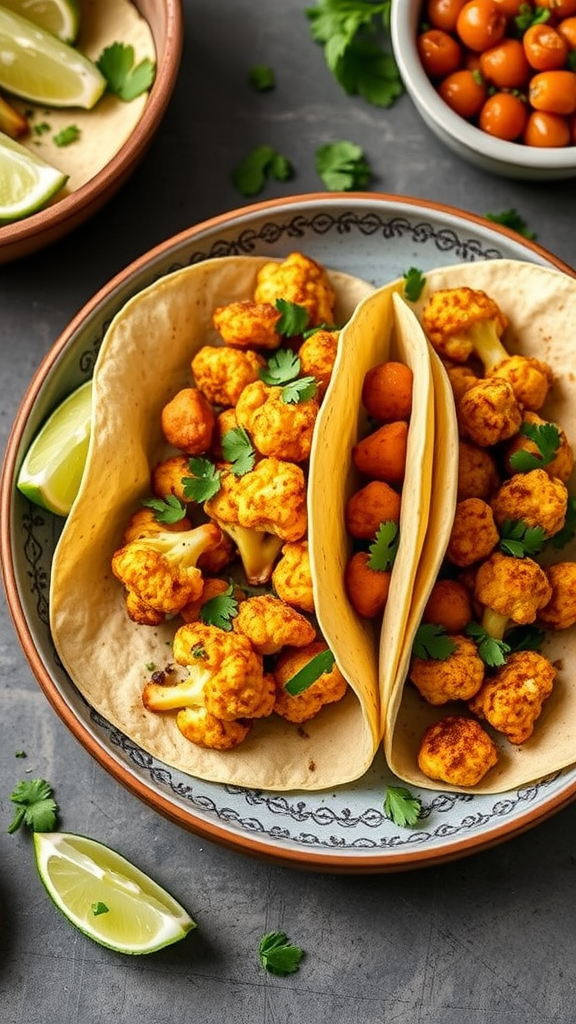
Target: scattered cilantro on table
point(67, 135)
point(260, 165)
point(512, 219)
point(261, 77)
point(278, 955)
point(342, 166)
point(401, 806)
point(35, 806)
point(124, 78)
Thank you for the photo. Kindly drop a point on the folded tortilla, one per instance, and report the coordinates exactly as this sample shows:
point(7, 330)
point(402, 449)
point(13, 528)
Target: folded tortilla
point(540, 304)
point(144, 359)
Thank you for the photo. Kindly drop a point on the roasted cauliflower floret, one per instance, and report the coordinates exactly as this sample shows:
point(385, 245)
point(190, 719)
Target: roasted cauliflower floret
point(461, 322)
point(292, 576)
point(188, 421)
point(260, 511)
point(248, 324)
point(143, 523)
point(511, 591)
point(205, 730)
point(478, 475)
point(560, 466)
point(168, 477)
point(489, 412)
point(511, 700)
point(160, 570)
point(532, 498)
point(461, 377)
point(474, 533)
point(458, 751)
point(327, 689)
point(457, 677)
point(278, 429)
point(301, 280)
point(222, 373)
point(270, 624)
point(560, 611)
point(531, 379)
point(317, 357)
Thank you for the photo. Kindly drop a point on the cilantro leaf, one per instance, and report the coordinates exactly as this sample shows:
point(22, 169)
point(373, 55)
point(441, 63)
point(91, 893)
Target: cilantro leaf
point(365, 70)
point(237, 449)
point(67, 135)
point(432, 642)
point(384, 547)
point(99, 908)
point(278, 955)
point(310, 672)
point(166, 510)
point(220, 610)
point(527, 16)
point(493, 652)
point(125, 79)
point(281, 368)
point(401, 806)
point(525, 638)
point(414, 283)
point(566, 534)
point(35, 806)
point(518, 539)
point(512, 219)
point(546, 437)
point(205, 481)
point(294, 319)
point(342, 166)
point(262, 163)
point(261, 77)
point(300, 390)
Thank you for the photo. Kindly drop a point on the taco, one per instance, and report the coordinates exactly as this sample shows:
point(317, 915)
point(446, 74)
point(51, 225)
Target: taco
point(538, 304)
point(144, 359)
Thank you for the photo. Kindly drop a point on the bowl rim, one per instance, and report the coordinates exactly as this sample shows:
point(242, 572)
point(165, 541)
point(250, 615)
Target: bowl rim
point(314, 861)
point(404, 17)
point(59, 213)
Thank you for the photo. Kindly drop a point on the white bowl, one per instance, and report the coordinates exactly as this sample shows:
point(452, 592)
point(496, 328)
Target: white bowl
point(510, 159)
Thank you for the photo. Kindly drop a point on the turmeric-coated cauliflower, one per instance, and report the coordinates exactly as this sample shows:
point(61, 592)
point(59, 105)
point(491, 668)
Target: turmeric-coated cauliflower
point(511, 700)
point(199, 726)
point(560, 611)
point(511, 590)
point(292, 576)
point(278, 429)
point(457, 677)
point(478, 475)
point(317, 357)
point(143, 523)
point(474, 533)
point(168, 477)
point(222, 373)
point(248, 324)
point(489, 412)
point(531, 379)
point(458, 751)
point(270, 624)
point(188, 421)
point(301, 280)
point(462, 322)
point(330, 687)
point(532, 498)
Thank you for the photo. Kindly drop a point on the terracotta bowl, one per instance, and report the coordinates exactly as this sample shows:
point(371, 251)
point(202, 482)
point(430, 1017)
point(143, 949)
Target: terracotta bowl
point(23, 237)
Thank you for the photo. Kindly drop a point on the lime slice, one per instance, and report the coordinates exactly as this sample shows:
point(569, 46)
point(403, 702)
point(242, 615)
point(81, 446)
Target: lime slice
point(26, 181)
point(106, 897)
point(52, 469)
point(60, 17)
point(39, 67)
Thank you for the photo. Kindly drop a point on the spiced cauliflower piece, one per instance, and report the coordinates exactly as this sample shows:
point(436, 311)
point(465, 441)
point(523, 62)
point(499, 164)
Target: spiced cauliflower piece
point(292, 576)
point(511, 699)
point(531, 379)
point(278, 429)
point(188, 421)
point(457, 677)
point(458, 751)
point(532, 498)
point(143, 523)
point(329, 688)
point(221, 373)
point(300, 280)
point(474, 533)
point(168, 476)
point(248, 324)
point(511, 590)
point(489, 412)
point(462, 322)
point(478, 475)
point(199, 726)
point(317, 355)
point(560, 611)
point(562, 463)
point(270, 624)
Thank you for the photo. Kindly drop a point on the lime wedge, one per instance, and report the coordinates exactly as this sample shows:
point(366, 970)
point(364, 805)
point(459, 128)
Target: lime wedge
point(52, 469)
point(106, 897)
point(39, 67)
point(26, 181)
point(60, 17)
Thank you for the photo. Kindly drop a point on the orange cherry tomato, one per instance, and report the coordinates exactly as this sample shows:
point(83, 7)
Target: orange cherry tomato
point(443, 13)
point(567, 29)
point(553, 91)
point(559, 8)
point(439, 52)
point(511, 8)
point(546, 130)
point(480, 24)
point(503, 115)
point(464, 91)
point(505, 65)
point(544, 47)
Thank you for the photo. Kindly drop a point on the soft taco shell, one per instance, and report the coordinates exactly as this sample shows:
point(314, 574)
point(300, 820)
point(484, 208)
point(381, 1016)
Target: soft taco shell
point(145, 358)
point(540, 304)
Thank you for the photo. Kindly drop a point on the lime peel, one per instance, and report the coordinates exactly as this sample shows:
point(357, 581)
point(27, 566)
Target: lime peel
point(60, 17)
point(27, 182)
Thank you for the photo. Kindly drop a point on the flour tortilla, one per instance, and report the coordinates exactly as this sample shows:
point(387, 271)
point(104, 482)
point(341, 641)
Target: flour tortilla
point(145, 358)
point(540, 304)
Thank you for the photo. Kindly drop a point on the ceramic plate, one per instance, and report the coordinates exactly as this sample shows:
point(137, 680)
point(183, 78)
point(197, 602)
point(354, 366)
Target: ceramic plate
point(378, 238)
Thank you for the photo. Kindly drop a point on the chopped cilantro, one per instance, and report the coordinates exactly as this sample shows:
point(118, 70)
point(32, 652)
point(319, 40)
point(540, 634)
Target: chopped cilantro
point(281, 368)
point(237, 448)
point(384, 547)
point(401, 806)
point(263, 163)
point(414, 283)
point(310, 672)
point(294, 319)
point(512, 219)
point(300, 390)
point(99, 908)
point(525, 638)
point(356, 41)
point(493, 652)
point(68, 135)
point(166, 510)
point(342, 166)
point(527, 16)
point(220, 610)
point(546, 437)
point(205, 481)
point(519, 540)
point(41, 129)
point(261, 77)
point(432, 642)
point(20, 753)
point(35, 806)
point(124, 78)
point(278, 955)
